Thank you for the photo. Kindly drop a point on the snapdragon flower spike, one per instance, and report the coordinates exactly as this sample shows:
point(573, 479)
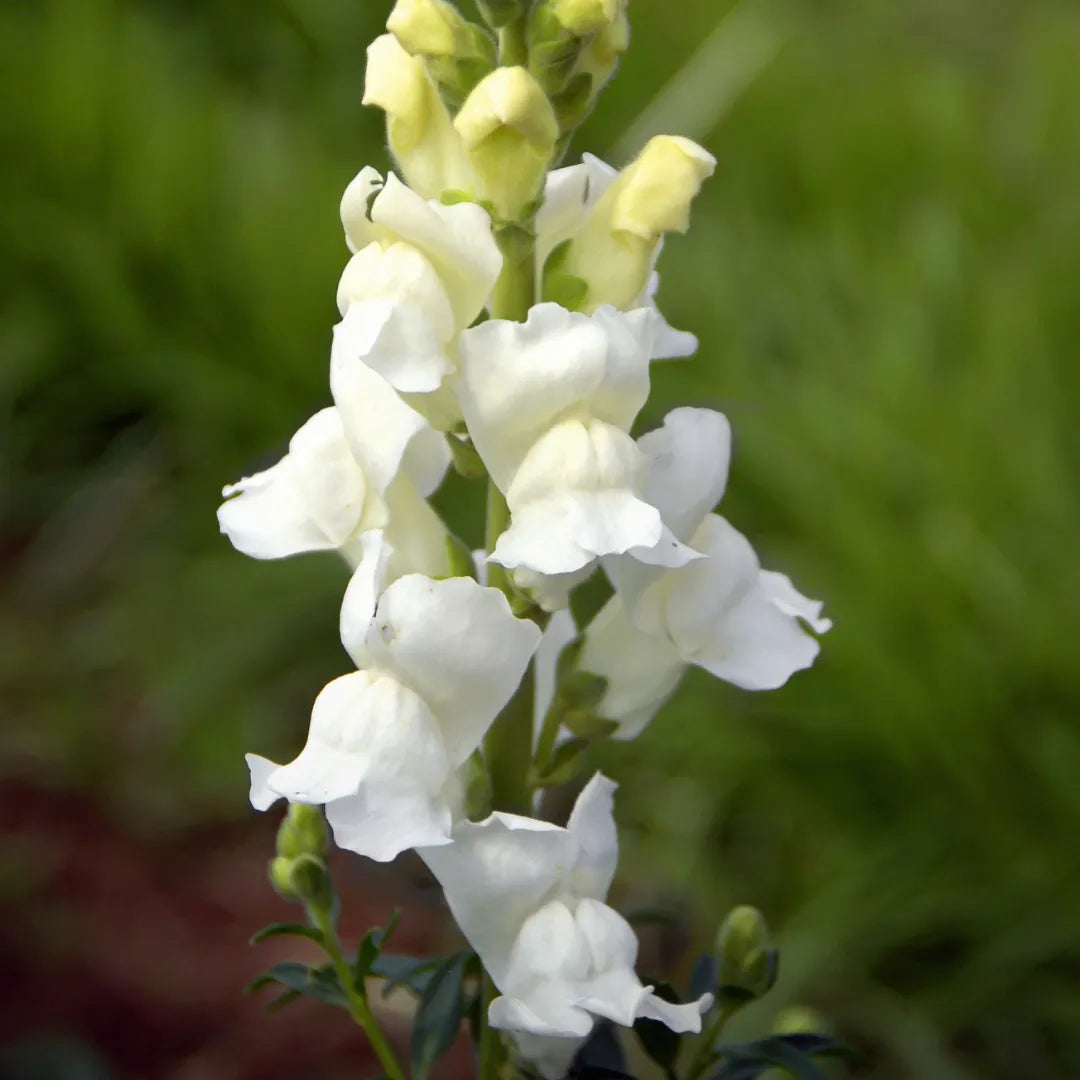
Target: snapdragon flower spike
point(437, 661)
point(721, 612)
point(529, 896)
point(318, 498)
point(570, 194)
point(421, 272)
point(548, 404)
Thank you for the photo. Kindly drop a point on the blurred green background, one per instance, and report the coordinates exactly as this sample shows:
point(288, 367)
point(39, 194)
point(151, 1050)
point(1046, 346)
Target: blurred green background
point(885, 277)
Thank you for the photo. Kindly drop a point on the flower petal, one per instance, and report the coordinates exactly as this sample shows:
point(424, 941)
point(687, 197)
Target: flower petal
point(387, 817)
point(366, 585)
point(459, 646)
point(261, 796)
point(792, 602)
point(495, 875)
point(355, 204)
point(642, 670)
point(688, 466)
point(517, 379)
point(569, 193)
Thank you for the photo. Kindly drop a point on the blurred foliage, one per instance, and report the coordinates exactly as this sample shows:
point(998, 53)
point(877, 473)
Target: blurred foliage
point(884, 278)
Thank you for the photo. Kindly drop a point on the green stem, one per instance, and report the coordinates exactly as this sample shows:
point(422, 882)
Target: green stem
point(498, 517)
point(491, 1048)
point(359, 1009)
point(513, 49)
point(508, 750)
point(703, 1051)
point(515, 290)
point(549, 732)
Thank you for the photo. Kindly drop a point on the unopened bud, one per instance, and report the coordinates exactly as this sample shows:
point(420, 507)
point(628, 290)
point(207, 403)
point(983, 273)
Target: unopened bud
point(302, 832)
point(614, 251)
point(601, 52)
point(509, 130)
point(305, 879)
point(581, 17)
point(746, 960)
point(422, 138)
point(429, 27)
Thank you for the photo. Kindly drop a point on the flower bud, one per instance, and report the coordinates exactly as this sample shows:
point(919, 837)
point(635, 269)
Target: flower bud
point(509, 130)
point(746, 960)
point(422, 138)
point(614, 251)
point(581, 17)
point(305, 879)
point(302, 832)
point(429, 27)
point(601, 52)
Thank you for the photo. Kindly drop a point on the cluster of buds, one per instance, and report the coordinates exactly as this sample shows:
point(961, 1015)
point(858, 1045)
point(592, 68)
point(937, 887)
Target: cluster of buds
point(499, 314)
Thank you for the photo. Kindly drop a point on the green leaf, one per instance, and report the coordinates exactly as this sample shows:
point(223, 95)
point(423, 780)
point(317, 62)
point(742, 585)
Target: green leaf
point(286, 997)
point(438, 1019)
point(372, 945)
point(789, 1052)
point(286, 929)
point(319, 983)
point(404, 971)
point(564, 765)
point(656, 1038)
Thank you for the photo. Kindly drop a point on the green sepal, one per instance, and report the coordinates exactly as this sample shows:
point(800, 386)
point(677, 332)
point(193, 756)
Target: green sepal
point(467, 462)
point(286, 929)
point(573, 103)
point(564, 765)
point(566, 290)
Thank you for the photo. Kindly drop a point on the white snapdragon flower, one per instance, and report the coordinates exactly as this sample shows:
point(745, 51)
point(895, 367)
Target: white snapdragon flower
point(437, 661)
point(318, 498)
point(570, 196)
point(548, 404)
point(421, 272)
point(722, 612)
point(529, 896)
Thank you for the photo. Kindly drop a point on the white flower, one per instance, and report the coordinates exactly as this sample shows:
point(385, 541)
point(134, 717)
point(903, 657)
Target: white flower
point(529, 896)
point(437, 660)
point(570, 194)
point(548, 403)
point(318, 498)
point(421, 273)
point(721, 612)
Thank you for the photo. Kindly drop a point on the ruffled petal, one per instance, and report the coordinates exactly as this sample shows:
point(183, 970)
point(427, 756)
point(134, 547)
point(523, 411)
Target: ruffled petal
point(366, 585)
point(459, 646)
point(387, 817)
point(495, 875)
point(642, 670)
point(260, 795)
point(592, 825)
point(355, 205)
point(792, 602)
point(517, 379)
point(688, 461)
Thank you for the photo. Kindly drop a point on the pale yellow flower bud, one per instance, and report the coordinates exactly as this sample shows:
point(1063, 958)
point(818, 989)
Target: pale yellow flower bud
point(428, 27)
point(428, 150)
point(614, 251)
point(581, 17)
point(509, 130)
point(602, 51)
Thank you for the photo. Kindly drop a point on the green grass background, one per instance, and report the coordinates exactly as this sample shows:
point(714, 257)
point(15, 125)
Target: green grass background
point(885, 277)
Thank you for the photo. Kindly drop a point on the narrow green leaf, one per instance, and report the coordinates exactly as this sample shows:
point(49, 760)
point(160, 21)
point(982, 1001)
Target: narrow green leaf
point(438, 1019)
point(372, 944)
point(286, 929)
point(320, 983)
point(286, 997)
point(564, 765)
point(404, 971)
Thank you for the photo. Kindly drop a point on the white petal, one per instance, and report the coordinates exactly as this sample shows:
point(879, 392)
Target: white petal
point(548, 1013)
point(364, 728)
point(569, 193)
point(261, 797)
point(314, 499)
point(385, 434)
point(688, 466)
point(592, 825)
point(457, 240)
point(573, 499)
point(550, 591)
point(549, 945)
point(388, 817)
point(668, 343)
point(792, 602)
point(400, 274)
point(459, 646)
point(558, 633)
point(495, 875)
point(625, 386)
point(415, 532)
point(680, 1018)
point(517, 379)
point(366, 585)
point(724, 619)
point(354, 208)
point(642, 670)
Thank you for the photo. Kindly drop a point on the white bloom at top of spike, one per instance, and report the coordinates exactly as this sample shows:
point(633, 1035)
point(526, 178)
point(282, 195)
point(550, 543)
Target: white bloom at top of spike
point(612, 224)
point(548, 403)
point(437, 660)
point(529, 896)
point(721, 612)
point(318, 498)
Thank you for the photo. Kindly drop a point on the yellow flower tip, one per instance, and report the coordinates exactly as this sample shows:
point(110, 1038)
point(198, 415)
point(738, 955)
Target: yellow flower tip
point(659, 186)
point(394, 80)
point(427, 27)
point(509, 98)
